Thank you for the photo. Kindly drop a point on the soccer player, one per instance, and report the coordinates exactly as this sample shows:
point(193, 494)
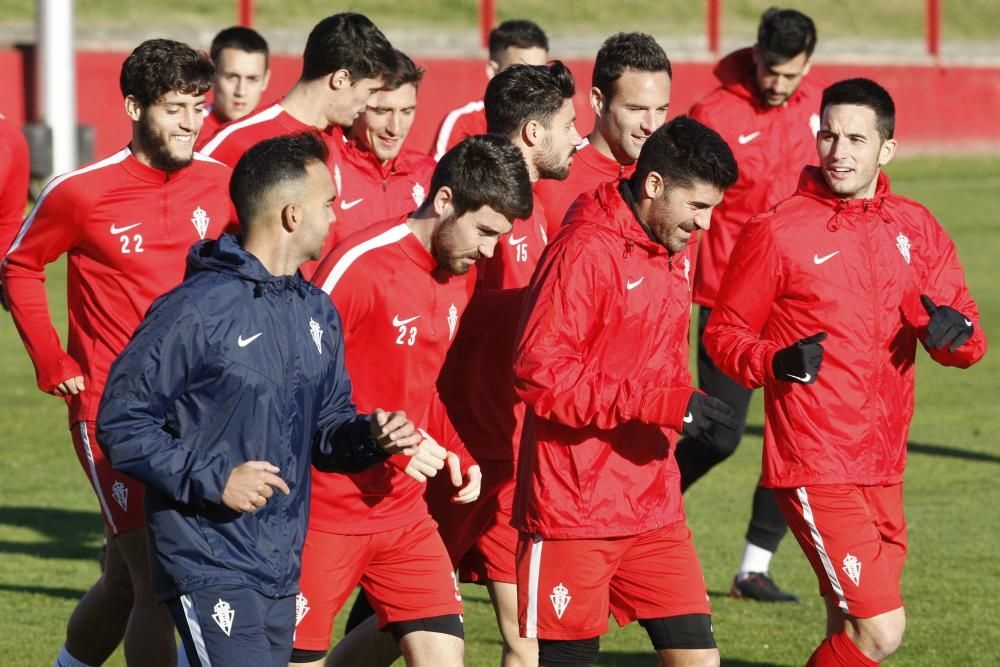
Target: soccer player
point(630, 94)
point(513, 42)
point(822, 304)
point(382, 178)
point(14, 176)
point(125, 223)
point(766, 112)
point(241, 76)
point(343, 66)
point(401, 286)
point(247, 381)
point(601, 361)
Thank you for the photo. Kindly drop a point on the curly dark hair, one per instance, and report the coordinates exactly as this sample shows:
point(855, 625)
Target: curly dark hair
point(684, 151)
point(627, 50)
point(526, 92)
point(159, 66)
point(347, 41)
point(270, 163)
point(485, 170)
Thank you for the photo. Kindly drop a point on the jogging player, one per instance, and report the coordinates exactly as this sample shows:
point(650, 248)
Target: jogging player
point(125, 224)
point(766, 112)
point(601, 361)
point(242, 73)
point(822, 304)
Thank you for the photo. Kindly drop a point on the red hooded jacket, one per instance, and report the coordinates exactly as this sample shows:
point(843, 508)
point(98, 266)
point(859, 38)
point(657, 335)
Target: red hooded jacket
point(771, 146)
point(855, 269)
point(602, 363)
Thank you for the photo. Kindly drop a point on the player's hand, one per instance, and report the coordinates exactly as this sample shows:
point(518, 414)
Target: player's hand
point(427, 460)
point(947, 325)
point(69, 386)
point(704, 413)
point(800, 362)
point(473, 480)
point(251, 484)
point(394, 432)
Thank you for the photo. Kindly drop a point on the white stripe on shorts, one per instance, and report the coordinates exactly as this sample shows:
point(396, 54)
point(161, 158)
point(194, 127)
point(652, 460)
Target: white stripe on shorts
point(831, 571)
point(89, 451)
point(534, 566)
point(195, 628)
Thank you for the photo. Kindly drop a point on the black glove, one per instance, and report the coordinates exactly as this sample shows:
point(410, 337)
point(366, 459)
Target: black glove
point(947, 325)
point(704, 413)
point(800, 362)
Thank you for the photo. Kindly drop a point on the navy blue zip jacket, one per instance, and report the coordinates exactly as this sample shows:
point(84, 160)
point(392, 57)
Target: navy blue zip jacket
point(233, 365)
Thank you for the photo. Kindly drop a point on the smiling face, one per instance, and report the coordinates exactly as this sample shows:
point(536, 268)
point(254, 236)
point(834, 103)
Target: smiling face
point(383, 126)
point(776, 82)
point(635, 110)
point(678, 211)
point(240, 80)
point(163, 133)
point(461, 240)
point(851, 151)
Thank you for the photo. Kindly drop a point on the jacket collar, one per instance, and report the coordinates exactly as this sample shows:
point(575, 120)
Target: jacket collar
point(736, 73)
point(619, 215)
point(149, 174)
point(365, 161)
point(813, 186)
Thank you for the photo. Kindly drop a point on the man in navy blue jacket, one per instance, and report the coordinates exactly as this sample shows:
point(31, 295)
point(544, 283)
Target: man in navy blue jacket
point(233, 384)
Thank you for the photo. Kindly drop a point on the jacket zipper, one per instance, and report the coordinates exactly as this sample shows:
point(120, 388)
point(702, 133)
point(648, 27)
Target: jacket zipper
point(876, 313)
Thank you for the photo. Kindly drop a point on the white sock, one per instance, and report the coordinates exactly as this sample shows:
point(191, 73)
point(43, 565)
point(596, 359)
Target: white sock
point(67, 660)
point(755, 559)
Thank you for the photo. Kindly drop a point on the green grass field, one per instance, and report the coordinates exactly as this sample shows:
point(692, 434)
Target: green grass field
point(888, 19)
point(50, 527)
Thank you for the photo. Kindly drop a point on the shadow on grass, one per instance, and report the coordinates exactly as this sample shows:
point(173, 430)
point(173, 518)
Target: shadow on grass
point(647, 659)
point(52, 592)
point(919, 448)
point(68, 533)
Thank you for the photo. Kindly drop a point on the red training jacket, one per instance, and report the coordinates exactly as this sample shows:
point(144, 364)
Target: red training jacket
point(400, 314)
point(590, 168)
point(209, 128)
point(15, 168)
point(126, 229)
point(771, 146)
point(468, 120)
point(855, 269)
point(602, 362)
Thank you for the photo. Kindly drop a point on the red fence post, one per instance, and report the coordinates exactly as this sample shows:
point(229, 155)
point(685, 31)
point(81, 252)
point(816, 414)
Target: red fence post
point(245, 12)
point(933, 27)
point(713, 12)
point(487, 17)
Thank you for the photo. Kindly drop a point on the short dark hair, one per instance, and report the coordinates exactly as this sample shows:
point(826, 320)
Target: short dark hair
point(684, 152)
point(864, 93)
point(347, 41)
point(485, 170)
point(526, 92)
point(784, 34)
point(159, 66)
point(271, 163)
point(627, 50)
point(406, 71)
point(240, 38)
point(519, 33)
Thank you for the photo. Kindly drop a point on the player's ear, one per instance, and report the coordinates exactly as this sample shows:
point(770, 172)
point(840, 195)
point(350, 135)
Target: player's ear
point(291, 217)
point(531, 133)
point(653, 185)
point(596, 101)
point(132, 108)
point(267, 79)
point(886, 152)
point(492, 68)
point(444, 202)
point(340, 79)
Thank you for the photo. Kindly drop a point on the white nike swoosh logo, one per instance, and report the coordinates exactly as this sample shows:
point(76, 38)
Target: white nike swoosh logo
point(633, 284)
point(968, 323)
point(345, 205)
point(122, 230)
point(819, 260)
point(747, 138)
point(516, 241)
point(805, 378)
point(243, 342)
point(396, 322)
point(688, 418)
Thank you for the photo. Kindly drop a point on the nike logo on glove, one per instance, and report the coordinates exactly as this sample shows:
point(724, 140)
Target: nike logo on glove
point(819, 260)
point(804, 378)
point(345, 205)
point(747, 138)
point(968, 323)
point(243, 342)
point(688, 418)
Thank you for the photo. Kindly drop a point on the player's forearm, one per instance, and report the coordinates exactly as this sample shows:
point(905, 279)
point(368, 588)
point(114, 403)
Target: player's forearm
point(29, 306)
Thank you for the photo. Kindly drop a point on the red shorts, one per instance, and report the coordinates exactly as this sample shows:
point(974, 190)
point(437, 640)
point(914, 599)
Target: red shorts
point(480, 540)
point(855, 539)
point(566, 588)
point(406, 573)
point(119, 495)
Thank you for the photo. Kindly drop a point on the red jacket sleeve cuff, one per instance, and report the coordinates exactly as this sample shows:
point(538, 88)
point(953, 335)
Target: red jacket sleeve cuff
point(665, 407)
